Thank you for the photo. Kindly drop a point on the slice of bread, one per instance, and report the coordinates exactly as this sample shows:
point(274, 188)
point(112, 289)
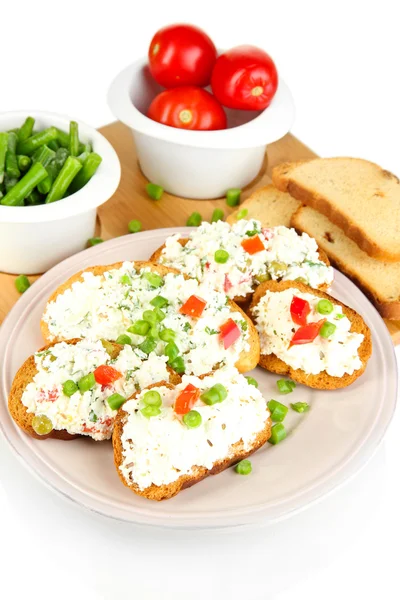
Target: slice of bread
point(268, 205)
point(321, 381)
point(237, 452)
point(357, 195)
point(247, 360)
point(379, 281)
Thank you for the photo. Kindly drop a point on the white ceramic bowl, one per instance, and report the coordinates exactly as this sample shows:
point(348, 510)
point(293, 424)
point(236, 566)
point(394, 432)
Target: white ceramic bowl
point(197, 164)
point(34, 238)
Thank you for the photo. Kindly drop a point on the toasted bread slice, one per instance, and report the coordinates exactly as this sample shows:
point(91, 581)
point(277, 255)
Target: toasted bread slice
point(237, 451)
point(380, 281)
point(268, 205)
point(356, 195)
point(322, 380)
point(247, 360)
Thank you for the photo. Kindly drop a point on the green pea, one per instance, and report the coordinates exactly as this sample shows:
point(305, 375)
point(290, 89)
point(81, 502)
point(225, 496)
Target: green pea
point(150, 411)
point(324, 307)
point(152, 398)
point(221, 256)
point(134, 226)
point(69, 388)
point(87, 382)
point(22, 283)
point(115, 401)
point(192, 419)
point(327, 329)
point(243, 467)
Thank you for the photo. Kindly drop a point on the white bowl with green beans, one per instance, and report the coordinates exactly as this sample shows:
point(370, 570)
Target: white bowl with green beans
point(54, 173)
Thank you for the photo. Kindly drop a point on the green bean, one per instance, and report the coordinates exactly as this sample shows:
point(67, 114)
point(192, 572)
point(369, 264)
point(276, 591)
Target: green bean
point(9, 182)
point(54, 145)
point(22, 189)
point(1, 194)
point(88, 148)
point(24, 162)
point(26, 129)
point(61, 156)
point(82, 157)
point(63, 140)
point(35, 141)
point(11, 156)
point(89, 168)
point(3, 150)
point(73, 138)
point(53, 170)
point(43, 155)
point(33, 198)
point(59, 188)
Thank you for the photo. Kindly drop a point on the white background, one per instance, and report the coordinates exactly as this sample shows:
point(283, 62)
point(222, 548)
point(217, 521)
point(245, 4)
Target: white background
point(341, 61)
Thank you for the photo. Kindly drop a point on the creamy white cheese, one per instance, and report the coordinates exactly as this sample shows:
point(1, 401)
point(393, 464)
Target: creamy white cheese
point(104, 307)
point(337, 354)
point(287, 255)
point(160, 449)
point(86, 413)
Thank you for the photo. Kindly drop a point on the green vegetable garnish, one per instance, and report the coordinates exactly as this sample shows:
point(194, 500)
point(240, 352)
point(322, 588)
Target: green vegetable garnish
point(243, 467)
point(154, 279)
point(124, 340)
point(69, 170)
point(221, 256)
point(94, 241)
point(152, 398)
point(22, 283)
point(242, 214)
point(150, 316)
point(140, 327)
point(217, 393)
point(178, 365)
point(327, 329)
point(218, 215)
point(126, 280)
point(134, 226)
point(150, 411)
point(154, 191)
point(285, 386)
point(148, 345)
point(278, 433)
point(233, 196)
point(192, 419)
point(115, 401)
point(69, 388)
point(160, 314)
point(159, 302)
point(324, 307)
point(278, 410)
point(42, 424)
point(194, 220)
point(252, 381)
point(300, 407)
point(167, 335)
point(87, 382)
point(171, 350)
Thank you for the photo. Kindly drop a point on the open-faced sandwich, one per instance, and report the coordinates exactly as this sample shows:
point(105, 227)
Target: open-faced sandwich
point(74, 388)
point(235, 258)
point(154, 309)
point(168, 437)
point(310, 336)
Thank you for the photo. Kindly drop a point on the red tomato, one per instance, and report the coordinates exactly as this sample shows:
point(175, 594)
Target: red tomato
point(181, 55)
point(253, 245)
point(299, 309)
point(186, 399)
point(307, 333)
point(188, 108)
point(106, 374)
point(193, 307)
point(245, 78)
point(230, 332)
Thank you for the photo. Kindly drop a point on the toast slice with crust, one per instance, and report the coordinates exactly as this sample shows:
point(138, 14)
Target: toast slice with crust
point(268, 205)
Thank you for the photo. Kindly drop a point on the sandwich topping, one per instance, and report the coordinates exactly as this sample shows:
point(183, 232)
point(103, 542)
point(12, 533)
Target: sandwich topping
point(307, 333)
point(235, 258)
point(167, 433)
point(170, 315)
point(78, 388)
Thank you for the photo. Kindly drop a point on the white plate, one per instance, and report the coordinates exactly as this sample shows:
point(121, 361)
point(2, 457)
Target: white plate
point(325, 446)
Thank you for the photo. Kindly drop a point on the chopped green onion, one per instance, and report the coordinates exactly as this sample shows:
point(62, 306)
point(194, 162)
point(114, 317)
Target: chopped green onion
point(148, 345)
point(167, 335)
point(178, 365)
point(93, 417)
point(261, 277)
point(278, 410)
point(126, 280)
point(192, 419)
point(154, 191)
point(300, 407)
point(159, 302)
point(124, 340)
point(149, 316)
point(87, 382)
point(242, 214)
point(171, 350)
point(22, 283)
point(285, 386)
point(134, 226)
point(94, 241)
point(278, 433)
point(233, 196)
point(150, 411)
point(160, 314)
point(302, 280)
point(252, 381)
point(115, 401)
point(327, 329)
point(221, 256)
point(152, 398)
point(340, 315)
point(140, 327)
point(69, 388)
point(218, 215)
point(217, 393)
point(324, 307)
point(154, 279)
point(243, 467)
point(154, 332)
point(194, 220)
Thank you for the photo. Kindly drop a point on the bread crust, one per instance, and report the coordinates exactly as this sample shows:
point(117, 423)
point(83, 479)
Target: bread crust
point(281, 177)
point(166, 491)
point(388, 310)
point(247, 360)
point(321, 381)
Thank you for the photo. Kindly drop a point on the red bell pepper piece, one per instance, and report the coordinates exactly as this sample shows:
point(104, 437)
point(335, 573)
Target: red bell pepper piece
point(186, 399)
point(299, 309)
point(230, 332)
point(193, 306)
point(253, 245)
point(307, 333)
point(227, 284)
point(104, 374)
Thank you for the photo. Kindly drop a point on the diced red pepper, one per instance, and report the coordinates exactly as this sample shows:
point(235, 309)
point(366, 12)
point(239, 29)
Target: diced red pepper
point(227, 284)
point(307, 333)
point(230, 332)
point(193, 306)
point(106, 374)
point(253, 245)
point(186, 399)
point(48, 395)
point(267, 232)
point(299, 309)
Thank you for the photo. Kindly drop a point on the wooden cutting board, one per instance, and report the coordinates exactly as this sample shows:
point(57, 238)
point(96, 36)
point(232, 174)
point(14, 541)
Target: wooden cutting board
point(131, 202)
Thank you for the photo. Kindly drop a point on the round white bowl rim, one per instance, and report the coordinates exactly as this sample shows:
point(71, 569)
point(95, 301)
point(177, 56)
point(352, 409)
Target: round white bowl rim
point(97, 191)
point(270, 125)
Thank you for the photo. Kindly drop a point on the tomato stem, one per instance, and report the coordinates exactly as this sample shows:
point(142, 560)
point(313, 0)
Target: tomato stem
point(257, 91)
point(185, 116)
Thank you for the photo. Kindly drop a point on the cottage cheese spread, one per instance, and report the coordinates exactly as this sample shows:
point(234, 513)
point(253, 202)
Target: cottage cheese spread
point(104, 307)
point(287, 255)
point(86, 413)
point(336, 355)
point(161, 449)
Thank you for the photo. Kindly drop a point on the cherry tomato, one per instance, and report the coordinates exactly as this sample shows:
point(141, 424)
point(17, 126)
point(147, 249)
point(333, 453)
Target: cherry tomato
point(299, 309)
point(230, 332)
point(245, 78)
point(106, 374)
point(186, 399)
point(253, 245)
point(188, 108)
point(181, 55)
point(307, 333)
point(193, 307)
